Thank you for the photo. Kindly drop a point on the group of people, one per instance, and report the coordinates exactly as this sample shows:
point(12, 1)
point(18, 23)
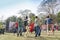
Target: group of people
point(23, 26)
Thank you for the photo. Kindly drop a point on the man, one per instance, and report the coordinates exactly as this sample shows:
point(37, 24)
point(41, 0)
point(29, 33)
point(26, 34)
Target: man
point(49, 21)
point(26, 21)
point(20, 27)
point(26, 25)
point(37, 27)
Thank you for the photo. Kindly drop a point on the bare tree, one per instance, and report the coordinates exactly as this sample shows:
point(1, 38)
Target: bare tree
point(48, 6)
point(24, 12)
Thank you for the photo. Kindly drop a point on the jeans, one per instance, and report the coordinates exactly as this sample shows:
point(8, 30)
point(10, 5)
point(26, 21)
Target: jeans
point(19, 31)
point(37, 31)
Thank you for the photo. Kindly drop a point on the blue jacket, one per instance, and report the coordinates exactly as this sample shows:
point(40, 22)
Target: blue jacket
point(49, 21)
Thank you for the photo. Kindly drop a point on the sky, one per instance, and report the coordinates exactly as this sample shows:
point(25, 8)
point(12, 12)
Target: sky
point(12, 7)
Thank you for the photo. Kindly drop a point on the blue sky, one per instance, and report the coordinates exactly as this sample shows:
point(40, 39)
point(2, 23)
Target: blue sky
point(12, 7)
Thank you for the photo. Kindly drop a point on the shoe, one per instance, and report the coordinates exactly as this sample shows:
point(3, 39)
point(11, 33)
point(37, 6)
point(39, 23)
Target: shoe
point(39, 34)
point(20, 34)
point(35, 35)
point(17, 35)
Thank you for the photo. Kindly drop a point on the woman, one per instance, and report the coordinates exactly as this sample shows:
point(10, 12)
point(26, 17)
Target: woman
point(31, 26)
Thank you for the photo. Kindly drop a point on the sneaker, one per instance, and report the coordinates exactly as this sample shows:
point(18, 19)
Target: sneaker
point(17, 35)
point(35, 35)
point(39, 34)
point(20, 34)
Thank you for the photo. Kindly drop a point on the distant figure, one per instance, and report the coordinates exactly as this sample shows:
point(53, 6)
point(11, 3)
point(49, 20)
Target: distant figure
point(16, 25)
point(37, 27)
point(56, 27)
point(1, 28)
point(25, 23)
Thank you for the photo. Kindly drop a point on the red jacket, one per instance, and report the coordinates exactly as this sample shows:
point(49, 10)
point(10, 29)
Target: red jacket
point(31, 27)
point(16, 24)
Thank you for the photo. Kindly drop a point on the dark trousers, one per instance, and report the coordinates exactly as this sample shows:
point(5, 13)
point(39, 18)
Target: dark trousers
point(37, 31)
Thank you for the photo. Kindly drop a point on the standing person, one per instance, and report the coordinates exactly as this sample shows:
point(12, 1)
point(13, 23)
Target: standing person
point(20, 27)
point(37, 27)
point(16, 25)
point(14, 28)
point(31, 26)
point(1, 28)
point(26, 21)
point(26, 25)
point(50, 24)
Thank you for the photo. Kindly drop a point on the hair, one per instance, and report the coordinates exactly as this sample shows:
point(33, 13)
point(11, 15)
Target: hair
point(26, 17)
point(47, 17)
point(36, 17)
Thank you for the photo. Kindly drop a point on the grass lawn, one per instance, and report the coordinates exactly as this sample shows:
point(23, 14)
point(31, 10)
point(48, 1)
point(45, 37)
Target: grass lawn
point(44, 36)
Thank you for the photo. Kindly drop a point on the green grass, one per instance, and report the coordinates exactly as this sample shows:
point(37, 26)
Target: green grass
point(44, 36)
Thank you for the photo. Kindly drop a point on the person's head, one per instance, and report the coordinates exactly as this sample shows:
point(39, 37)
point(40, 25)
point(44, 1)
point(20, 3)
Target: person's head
point(36, 17)
point(20, 18)
point(26, 17)
point(47, 17)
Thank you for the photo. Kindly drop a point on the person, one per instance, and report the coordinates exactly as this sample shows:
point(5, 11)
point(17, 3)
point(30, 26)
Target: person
point(20, 26)
point(1, 28)
point(14, 28)
point(26, 21)
point(56, 27)
point(37, 27)
point(50, 24)
point(26, 28)
point(31, 26)
point(16, 25)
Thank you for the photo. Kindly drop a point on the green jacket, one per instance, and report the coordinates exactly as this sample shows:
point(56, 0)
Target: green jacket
point(20, 22)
